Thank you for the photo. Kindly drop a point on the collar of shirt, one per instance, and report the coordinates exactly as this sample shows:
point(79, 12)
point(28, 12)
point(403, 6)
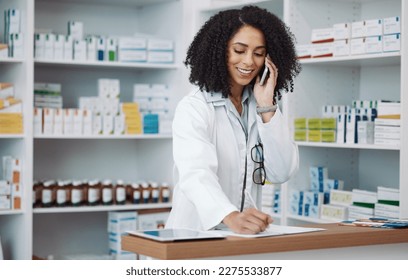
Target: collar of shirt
point(218, 100)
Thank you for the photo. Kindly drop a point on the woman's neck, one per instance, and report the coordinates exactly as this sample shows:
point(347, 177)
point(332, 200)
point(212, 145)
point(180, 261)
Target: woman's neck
point(236, 97)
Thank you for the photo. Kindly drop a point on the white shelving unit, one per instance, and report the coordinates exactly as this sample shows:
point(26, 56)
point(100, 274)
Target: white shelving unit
point(339, 80)
point(77, 230)
point(126, 157)
point(15, 224)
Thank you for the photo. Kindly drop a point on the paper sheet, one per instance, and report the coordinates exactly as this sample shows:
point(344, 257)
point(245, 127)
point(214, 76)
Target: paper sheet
point(272, 230)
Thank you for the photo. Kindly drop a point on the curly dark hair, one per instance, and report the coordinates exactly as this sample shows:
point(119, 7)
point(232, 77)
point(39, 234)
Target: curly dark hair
point(207, 54)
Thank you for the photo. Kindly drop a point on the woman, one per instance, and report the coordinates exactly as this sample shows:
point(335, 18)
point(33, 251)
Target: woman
point(229, 132)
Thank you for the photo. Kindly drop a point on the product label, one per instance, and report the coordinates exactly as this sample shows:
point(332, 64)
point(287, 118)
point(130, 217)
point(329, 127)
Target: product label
point(61, 196)
point(136, 195)
point(76, 196)
point(106, 195)
point(120, 194)
point(46, 196)
point(93, 195)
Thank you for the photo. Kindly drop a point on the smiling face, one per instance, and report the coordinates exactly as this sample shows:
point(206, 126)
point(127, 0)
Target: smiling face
point(246, 56)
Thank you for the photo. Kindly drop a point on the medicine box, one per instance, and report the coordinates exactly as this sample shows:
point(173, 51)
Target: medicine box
point(373, 27)
point(59, 47)
point(391, 25)
point(373, 44)
point(160, 45)
point(300, 135)
point(49, 46)
point(333, 212)
point(76, 30)
point(341, 197)
point(323, 50)
point(392, 43)
point(322, 35)
point(357, 46)
point(341, 31)
point(341, 47)
point(304, 50)
point(357, 29)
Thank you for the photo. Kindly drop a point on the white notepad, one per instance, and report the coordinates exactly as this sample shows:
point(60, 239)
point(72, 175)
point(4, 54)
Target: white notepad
point(272, 230)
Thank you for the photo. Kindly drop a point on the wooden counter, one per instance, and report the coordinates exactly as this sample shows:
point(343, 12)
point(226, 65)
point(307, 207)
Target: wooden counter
point(334, 236)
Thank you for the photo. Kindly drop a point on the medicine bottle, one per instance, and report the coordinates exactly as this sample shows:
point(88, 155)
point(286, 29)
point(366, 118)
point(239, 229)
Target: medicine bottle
point(165, 192)
point(107, 192)
point(48, 194)
point(77, 193)
point(61, 194)
point(145, 192)
point(136, 193)
point(37, 188)
point(120, 192)
point(155, 192)
point(94, 193)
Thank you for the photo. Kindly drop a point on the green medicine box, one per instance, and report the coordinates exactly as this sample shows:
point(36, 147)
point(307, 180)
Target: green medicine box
point(300, 123)
point(300, 135)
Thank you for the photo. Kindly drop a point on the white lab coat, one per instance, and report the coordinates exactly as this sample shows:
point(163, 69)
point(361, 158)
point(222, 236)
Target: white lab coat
point(210, 160)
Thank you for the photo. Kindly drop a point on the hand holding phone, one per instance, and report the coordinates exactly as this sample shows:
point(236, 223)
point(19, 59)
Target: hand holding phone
point(264, 74)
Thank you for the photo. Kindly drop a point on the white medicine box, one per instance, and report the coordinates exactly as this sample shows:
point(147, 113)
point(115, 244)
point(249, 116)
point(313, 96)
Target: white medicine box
point(391, 25)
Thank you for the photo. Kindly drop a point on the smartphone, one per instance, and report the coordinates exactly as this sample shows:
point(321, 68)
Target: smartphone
point(264, 76)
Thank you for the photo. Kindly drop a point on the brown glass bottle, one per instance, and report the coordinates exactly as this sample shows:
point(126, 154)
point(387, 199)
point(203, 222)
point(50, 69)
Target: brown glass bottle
point(136, 193)
point(48, 194)
point(77, 194)
point(145, 192)
point(165, 192)
point(107, 192)
point(61, 194)
point(37, 189)
point(94, 193)
point(120, 192)
point(155, 192)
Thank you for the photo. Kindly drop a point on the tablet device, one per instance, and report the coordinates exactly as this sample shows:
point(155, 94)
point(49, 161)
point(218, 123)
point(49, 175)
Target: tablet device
point(175, 234)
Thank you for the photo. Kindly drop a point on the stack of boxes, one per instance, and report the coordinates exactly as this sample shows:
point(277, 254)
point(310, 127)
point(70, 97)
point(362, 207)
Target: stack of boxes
point(363, 203)
point(47, 95)
point(271, 198)
point(11, 184)
point(315, 129)
point(387, 205)
point(119, 223)
point(103, 114)
point(312, 202)
point(13, 37)
point(11, 112)
point(154, 104)
point(133, 119)
point(77, 46)
point(387, 127)
point(326, 199)
point(356, 38)
point(364, 122)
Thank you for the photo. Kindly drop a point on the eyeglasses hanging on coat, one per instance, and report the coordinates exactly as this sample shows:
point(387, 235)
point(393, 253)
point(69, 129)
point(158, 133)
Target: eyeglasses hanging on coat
point(259, 174)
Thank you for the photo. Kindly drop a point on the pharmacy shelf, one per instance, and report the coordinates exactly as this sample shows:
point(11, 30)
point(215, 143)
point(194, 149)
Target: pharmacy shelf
point(310, 220)
point(93, 137)
point(216, 6)
point(11, 212)
point(391, 58)
point(106, 64)
point(11, 60)
point(348, 146)
point(132, 3)
point(126, 207)
point(12, 136)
